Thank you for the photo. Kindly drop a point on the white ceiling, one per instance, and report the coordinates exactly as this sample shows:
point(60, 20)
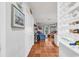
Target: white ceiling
point(44, 12)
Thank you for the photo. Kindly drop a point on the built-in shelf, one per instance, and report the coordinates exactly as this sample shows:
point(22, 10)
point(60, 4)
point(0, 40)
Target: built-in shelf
point(73, 48)
point(69, 9)
point(68, 13)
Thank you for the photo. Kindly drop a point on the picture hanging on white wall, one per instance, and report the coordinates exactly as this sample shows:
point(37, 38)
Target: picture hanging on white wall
point(18, 18)
point(19, 4)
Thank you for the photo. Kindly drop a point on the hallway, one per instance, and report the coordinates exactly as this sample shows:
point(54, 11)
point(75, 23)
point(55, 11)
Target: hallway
point(40, 49)
point(26, 24)
point(45, 22)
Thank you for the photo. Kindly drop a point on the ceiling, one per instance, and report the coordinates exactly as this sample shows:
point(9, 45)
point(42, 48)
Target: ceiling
point(44, 12)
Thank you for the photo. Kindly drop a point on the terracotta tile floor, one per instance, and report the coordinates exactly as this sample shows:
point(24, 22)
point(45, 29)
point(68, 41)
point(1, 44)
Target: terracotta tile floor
point(41, 49)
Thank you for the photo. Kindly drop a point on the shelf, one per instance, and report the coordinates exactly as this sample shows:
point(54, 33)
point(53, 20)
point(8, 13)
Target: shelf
point(68, 15)
point(73, 48)
point(69, 10)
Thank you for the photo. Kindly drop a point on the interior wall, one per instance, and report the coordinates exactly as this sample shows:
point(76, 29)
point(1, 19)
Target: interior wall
point(29, 30)
point(0, 33)
point(2, 29)
point(14, 38)
point(15, 42)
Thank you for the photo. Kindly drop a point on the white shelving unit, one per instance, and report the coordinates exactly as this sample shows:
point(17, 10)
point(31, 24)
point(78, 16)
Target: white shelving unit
point(73, 48)
point(68, 12)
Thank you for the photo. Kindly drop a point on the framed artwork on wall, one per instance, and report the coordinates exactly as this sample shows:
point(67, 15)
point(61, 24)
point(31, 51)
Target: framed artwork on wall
point(46, 29)
point(18, 18)
point(19, 4)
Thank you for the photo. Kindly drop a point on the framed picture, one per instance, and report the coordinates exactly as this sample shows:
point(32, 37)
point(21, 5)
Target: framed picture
point(46, 29)
point(19, 4)
point(18, 18)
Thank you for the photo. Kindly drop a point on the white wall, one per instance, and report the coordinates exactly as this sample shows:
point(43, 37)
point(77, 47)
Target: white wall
point(14, 38)
point(2, 29)
point(17, 43)
point(29, 30)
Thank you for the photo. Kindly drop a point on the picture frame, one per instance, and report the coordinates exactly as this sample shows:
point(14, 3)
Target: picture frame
point(19, 4)
point(18, 18)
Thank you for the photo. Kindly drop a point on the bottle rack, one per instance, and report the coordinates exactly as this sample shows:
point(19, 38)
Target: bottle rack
point(68, 12)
